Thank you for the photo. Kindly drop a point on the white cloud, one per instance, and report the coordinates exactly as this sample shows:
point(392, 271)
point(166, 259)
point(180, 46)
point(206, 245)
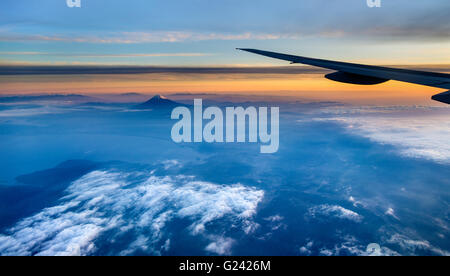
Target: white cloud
point(411, 245)
point(275, 222)
point(171, 164)
point(418, 132)
point(250, 227)
point(391, 212)
point(116, 202)
point(351, 246)
point(274, 218)
point(25, 112)
point(334, 211)
point(221, 246)
point(355, 202)
point(306, 249)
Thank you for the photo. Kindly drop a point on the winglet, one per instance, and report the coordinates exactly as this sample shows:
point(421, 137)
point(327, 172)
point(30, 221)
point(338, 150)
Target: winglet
point(443, 97)
point(248, 50)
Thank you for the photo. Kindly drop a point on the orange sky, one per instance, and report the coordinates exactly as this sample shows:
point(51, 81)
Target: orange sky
point(304, 86)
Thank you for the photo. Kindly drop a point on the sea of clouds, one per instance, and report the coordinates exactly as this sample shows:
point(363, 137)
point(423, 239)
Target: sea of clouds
point(113, 205)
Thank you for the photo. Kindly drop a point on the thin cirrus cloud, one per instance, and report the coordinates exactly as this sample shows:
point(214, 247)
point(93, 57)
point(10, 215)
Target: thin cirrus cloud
point(145, 37)
point(82, 55)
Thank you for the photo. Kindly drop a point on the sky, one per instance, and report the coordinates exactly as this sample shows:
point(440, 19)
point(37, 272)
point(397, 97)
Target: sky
point(205, 33)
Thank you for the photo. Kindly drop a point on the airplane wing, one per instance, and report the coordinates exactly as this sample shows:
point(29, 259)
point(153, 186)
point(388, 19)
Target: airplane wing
point(368, 74)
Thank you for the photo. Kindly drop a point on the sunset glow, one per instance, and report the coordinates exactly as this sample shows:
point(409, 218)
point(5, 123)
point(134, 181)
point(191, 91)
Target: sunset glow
point(307, 86)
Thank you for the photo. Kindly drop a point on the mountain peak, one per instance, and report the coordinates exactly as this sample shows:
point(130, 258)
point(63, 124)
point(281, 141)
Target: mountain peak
point(158, 97)
point(157, 102)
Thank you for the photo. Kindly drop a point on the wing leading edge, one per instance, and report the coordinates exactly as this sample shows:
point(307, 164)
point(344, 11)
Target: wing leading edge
point(368, 74)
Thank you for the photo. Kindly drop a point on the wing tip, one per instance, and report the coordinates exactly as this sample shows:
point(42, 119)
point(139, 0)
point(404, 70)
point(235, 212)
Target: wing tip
point(442, 97)
point(245, 49)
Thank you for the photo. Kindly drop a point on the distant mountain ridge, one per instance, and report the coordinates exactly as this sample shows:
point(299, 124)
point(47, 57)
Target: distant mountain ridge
point(50, 97)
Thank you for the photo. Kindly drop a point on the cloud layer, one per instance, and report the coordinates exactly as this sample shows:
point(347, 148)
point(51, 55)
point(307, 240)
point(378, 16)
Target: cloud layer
point(109, 205)
point(146, 37)
point(418, 132)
